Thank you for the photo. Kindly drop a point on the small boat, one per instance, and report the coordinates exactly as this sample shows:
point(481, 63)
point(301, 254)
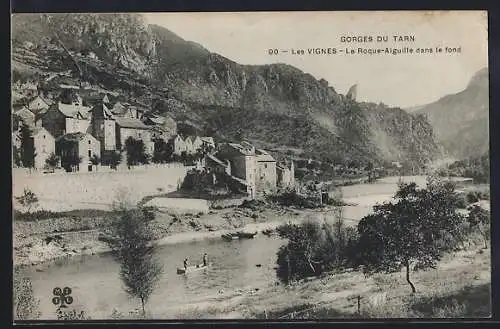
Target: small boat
point(269, 232)
point(190, 269)
point(230, 236)
point(245, 235)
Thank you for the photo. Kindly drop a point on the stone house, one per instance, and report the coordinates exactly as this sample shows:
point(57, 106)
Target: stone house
point(243, 163)
point(188, 142)
point(62, 119)
point(135, 128)
point(214, 165)
point(69, 95)
point(178, 145)
point(38, 104)
point(26, 117)
point(193, 144)
point(285, 174)
point(208, 142)
point(126, 110)
point(44, 144)
point(266, 171)
point(74, 145)
point(197, 143)
point(104, 130)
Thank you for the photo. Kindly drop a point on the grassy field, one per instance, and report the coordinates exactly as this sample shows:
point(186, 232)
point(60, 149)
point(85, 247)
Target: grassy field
point(95, 190)
point(458, 287)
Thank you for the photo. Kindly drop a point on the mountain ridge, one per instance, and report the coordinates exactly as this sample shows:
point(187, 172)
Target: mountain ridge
point(461, 120)
point(276, 103)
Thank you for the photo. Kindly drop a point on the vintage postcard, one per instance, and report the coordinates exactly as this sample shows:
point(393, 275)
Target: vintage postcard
point(251, 165)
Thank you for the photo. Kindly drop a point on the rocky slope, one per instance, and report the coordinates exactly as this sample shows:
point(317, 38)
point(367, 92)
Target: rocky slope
point(461, 121)
point(276, 106)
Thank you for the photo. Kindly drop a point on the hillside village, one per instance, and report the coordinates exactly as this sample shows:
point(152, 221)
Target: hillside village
point(84, 128)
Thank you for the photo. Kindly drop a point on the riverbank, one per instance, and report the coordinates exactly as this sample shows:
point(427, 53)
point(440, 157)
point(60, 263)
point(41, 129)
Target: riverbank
point(76, 233)
point(36, 243)
point(458, 287)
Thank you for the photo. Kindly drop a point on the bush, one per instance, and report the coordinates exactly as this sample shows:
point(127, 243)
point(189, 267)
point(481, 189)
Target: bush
point(28, 200)
point(463, 202)
point(26, 307)
point(314, 248)
point(289, 198)
point(37, 215)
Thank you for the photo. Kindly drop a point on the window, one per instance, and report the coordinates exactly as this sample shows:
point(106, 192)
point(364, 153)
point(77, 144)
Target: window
point(265, 165)
point(89, 142)
point(90, 153)
point(43, 136)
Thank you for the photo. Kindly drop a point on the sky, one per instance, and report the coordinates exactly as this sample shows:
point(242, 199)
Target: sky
point(403, 80)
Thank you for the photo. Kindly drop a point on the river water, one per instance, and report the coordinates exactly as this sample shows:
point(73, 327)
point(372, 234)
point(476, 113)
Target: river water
point(97, 288)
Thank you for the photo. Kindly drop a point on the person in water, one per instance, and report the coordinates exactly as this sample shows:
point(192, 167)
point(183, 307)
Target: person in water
point(185, 263)
point(205, 260)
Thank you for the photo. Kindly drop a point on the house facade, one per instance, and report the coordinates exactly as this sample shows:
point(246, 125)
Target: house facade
point(135, 128)
point(104, 127)
point(126, 110)
point(215, 165)
point(208, 142)
point(178, 145)
point(63, 118)
point(38, 104)
point(24, 116)
point(188, 142)
point(77, 145)
point(197, 143)
point(266, 172)
point(243, 163)
point(285, 174)
point(44, 144)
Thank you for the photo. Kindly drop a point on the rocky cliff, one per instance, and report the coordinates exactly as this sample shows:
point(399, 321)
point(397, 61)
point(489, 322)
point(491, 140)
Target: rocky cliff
point(276, 106)
point(461, 120)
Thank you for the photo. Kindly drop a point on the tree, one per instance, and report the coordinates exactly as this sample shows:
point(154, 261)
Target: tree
point(415, 229)
point(133, 246)
point(28, 200)
point(114, 160)
point(297, 259)
point(71, 161)
point(162, 151)
point(52, 161)
point(28, 151)
point(16, 155)
point(369, 170)
point(136, 152)
point(26, 307)
point(95, 160)
point(313, 248)
point(479, 219)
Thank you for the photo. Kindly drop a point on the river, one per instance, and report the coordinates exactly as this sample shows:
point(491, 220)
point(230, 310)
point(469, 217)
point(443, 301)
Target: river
point(97, 288)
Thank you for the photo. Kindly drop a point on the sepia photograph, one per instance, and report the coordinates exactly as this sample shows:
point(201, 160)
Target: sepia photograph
point(250, 165)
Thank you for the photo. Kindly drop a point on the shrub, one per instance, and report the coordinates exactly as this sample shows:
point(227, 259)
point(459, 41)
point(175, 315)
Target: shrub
point(28, 200)
point(314, 248)
point(26, 307)
point(52, 161)
point(479, 221)
point(292, 198)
